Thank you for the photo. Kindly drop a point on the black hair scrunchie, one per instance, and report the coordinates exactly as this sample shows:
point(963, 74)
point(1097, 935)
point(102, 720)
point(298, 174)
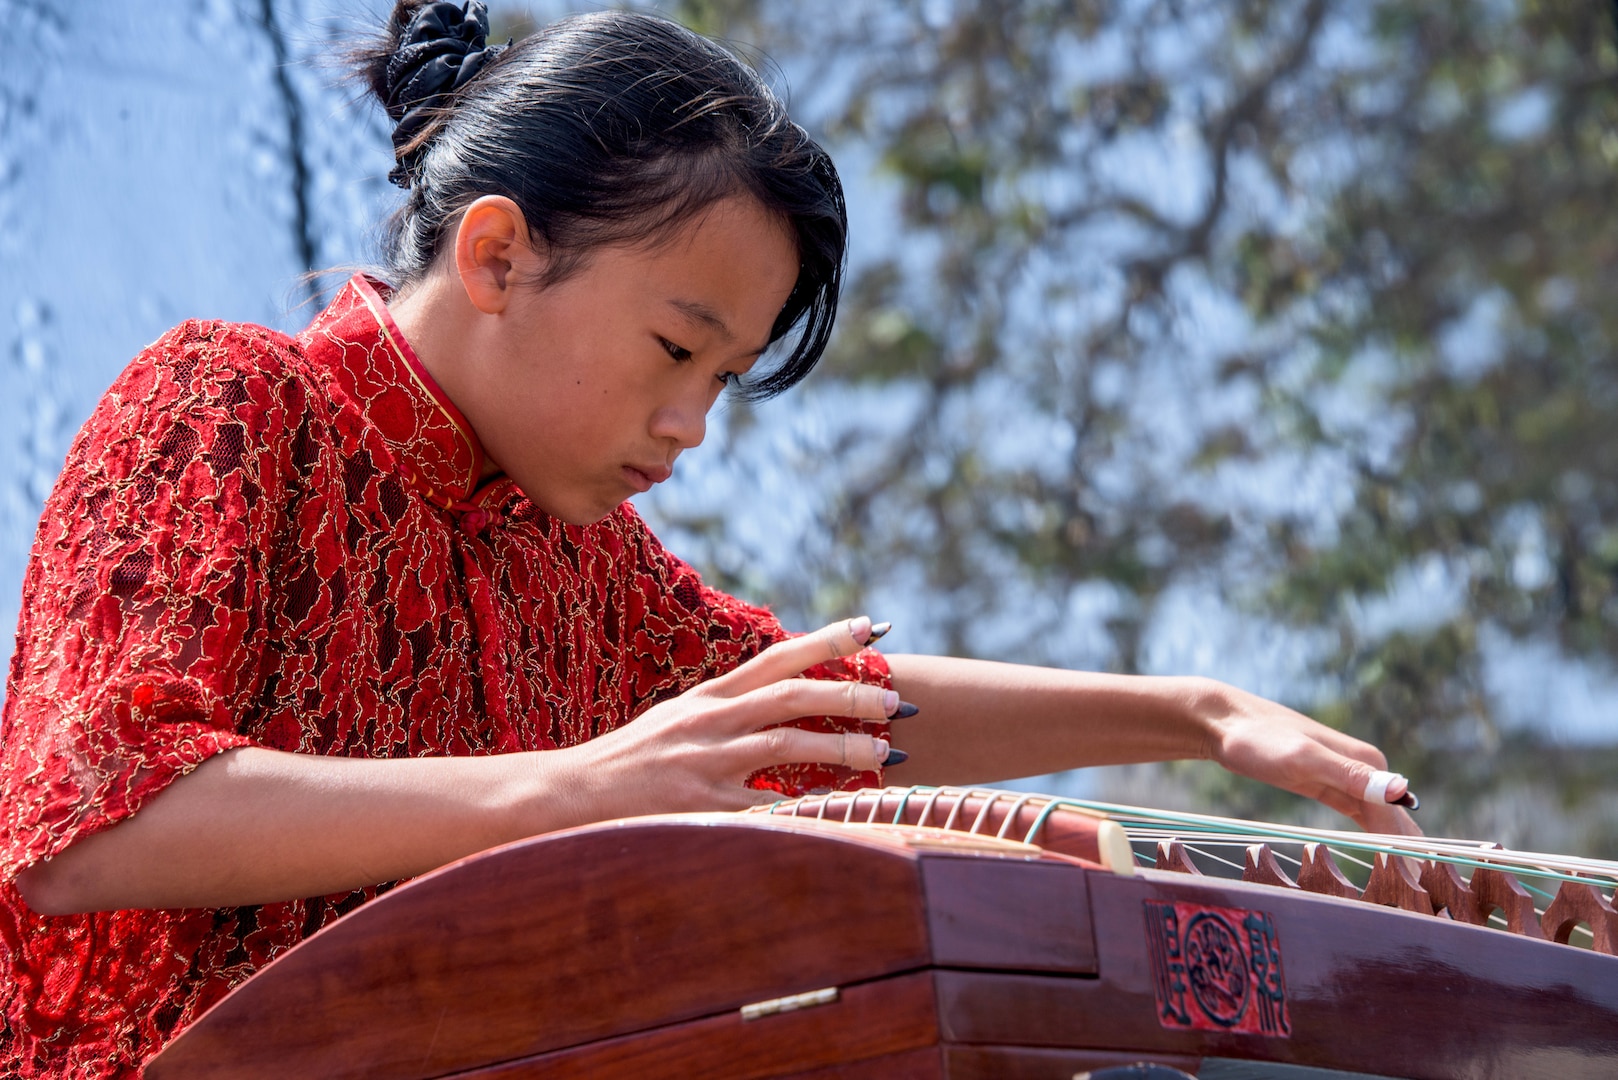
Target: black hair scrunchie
point(441, 50)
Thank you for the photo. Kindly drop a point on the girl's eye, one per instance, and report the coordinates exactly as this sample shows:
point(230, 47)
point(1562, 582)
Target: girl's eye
point(675, 350)
point(729, 378)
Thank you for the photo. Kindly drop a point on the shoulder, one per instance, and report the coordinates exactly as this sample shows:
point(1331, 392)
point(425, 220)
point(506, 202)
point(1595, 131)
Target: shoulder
point(228, 390)
point(198, 355)
point(209, 370)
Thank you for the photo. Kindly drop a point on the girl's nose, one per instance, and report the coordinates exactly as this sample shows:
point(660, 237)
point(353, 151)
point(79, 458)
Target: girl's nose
point(686, 423)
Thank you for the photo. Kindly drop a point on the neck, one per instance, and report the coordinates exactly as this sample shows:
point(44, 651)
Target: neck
point(443, 328)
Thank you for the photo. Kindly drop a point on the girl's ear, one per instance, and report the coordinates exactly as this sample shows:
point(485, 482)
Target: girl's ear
point(493, 252)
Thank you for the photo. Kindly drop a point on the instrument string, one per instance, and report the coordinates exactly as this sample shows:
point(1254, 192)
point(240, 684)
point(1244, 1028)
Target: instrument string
point(1346, 853)
point(1207, 829)
point(1205, 834)
point(1199, 846)
point(1214, 858)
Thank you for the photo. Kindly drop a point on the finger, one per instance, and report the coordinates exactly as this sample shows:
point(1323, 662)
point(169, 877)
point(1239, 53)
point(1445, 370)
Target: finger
point(1386, 818)
point(1390, 787)
point(787, 658)
point(1354, 789)
point(1393, 820)
point(787, 745)
point(1348, 777)
point(790, 699)
point(1350, 747)
point(1337, 741)
point(757, 797)
point(1352, 809)
point(793, 699)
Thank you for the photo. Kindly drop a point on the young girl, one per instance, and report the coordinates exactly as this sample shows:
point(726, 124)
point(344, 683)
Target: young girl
point(307, 616)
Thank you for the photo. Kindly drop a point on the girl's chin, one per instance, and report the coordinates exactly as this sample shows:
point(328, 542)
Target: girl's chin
point(583, 518)
point(583, 511)
point(573, 508)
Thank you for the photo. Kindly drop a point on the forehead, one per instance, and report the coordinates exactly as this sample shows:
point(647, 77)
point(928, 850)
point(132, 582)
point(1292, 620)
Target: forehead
point(731, 263)
point(725, 224)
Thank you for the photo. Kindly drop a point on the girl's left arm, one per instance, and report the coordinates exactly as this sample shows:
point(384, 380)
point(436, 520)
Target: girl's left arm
point(981, 721)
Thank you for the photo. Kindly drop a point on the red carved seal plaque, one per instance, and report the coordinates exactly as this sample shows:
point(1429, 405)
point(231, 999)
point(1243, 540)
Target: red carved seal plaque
point(1217, 969)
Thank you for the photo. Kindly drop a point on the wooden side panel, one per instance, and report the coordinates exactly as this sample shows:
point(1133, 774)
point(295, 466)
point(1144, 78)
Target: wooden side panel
point(1445, 1001)
point(1022, 1063)
point(567, 939)
point(626, 949)
point(925, 1064)
point(986, 1063)
point(1009, 916)
point(868, 1022)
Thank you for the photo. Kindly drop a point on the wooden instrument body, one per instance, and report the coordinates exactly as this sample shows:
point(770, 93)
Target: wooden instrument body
point(631, 948)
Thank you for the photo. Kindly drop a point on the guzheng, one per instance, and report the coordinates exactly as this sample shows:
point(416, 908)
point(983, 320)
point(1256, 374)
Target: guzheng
point(946, 933)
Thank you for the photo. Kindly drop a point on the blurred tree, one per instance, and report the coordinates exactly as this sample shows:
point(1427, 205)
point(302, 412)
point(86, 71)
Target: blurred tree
point(1303, 305)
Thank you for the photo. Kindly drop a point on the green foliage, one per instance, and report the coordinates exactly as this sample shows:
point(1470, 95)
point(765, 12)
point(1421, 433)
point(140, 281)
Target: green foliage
point(1198, 256)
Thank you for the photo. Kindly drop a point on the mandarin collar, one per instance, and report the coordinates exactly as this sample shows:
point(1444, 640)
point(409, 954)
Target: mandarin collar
point(434, 448)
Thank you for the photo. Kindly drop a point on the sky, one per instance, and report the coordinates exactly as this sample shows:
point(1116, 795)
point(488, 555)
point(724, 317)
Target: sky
point(144, 180)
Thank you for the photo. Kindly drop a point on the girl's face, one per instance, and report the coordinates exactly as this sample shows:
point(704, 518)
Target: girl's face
point(593, 387)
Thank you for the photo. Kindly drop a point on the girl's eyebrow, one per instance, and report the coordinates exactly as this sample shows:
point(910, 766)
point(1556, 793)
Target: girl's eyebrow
point(698, 312)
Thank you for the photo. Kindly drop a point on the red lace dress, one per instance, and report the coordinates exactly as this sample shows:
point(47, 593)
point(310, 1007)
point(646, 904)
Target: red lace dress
point(277, 542)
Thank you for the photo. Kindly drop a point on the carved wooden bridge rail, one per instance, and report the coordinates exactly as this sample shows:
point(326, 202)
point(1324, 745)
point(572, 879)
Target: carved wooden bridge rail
point(1424, 886)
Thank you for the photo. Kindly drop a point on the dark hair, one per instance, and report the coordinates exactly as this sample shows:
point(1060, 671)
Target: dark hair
point(616, 127)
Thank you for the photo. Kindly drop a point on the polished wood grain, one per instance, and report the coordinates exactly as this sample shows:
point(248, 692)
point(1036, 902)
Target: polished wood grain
point(596, 933)
point(1023, 1063)
point(629, 949)
point(880, 1030)
point(567, 939)
point(990, 1063)
point(868, 1021)
point(925, 1064)
point(1369, 989)
point(1016, 917)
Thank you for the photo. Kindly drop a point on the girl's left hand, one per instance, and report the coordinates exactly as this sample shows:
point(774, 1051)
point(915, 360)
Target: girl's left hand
point(1258, 738)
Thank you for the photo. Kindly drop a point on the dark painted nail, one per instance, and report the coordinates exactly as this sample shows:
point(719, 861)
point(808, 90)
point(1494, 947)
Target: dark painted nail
point(1409, 801)
point(880, 630)
point(896, 757)
point(905, 709)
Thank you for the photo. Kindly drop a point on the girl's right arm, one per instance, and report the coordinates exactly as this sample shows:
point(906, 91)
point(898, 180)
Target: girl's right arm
point(252, 826)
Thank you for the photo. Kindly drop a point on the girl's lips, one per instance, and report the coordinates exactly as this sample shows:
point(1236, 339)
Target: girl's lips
point(642, 479)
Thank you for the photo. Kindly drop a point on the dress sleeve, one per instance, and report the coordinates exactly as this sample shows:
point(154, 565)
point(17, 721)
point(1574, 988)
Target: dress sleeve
point(681, 632)
point(144, 601)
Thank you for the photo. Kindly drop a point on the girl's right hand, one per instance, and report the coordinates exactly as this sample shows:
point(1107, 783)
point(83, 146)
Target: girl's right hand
point(695, 752)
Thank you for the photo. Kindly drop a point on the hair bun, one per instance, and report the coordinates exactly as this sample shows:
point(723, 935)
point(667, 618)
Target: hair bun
point(440, 50)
